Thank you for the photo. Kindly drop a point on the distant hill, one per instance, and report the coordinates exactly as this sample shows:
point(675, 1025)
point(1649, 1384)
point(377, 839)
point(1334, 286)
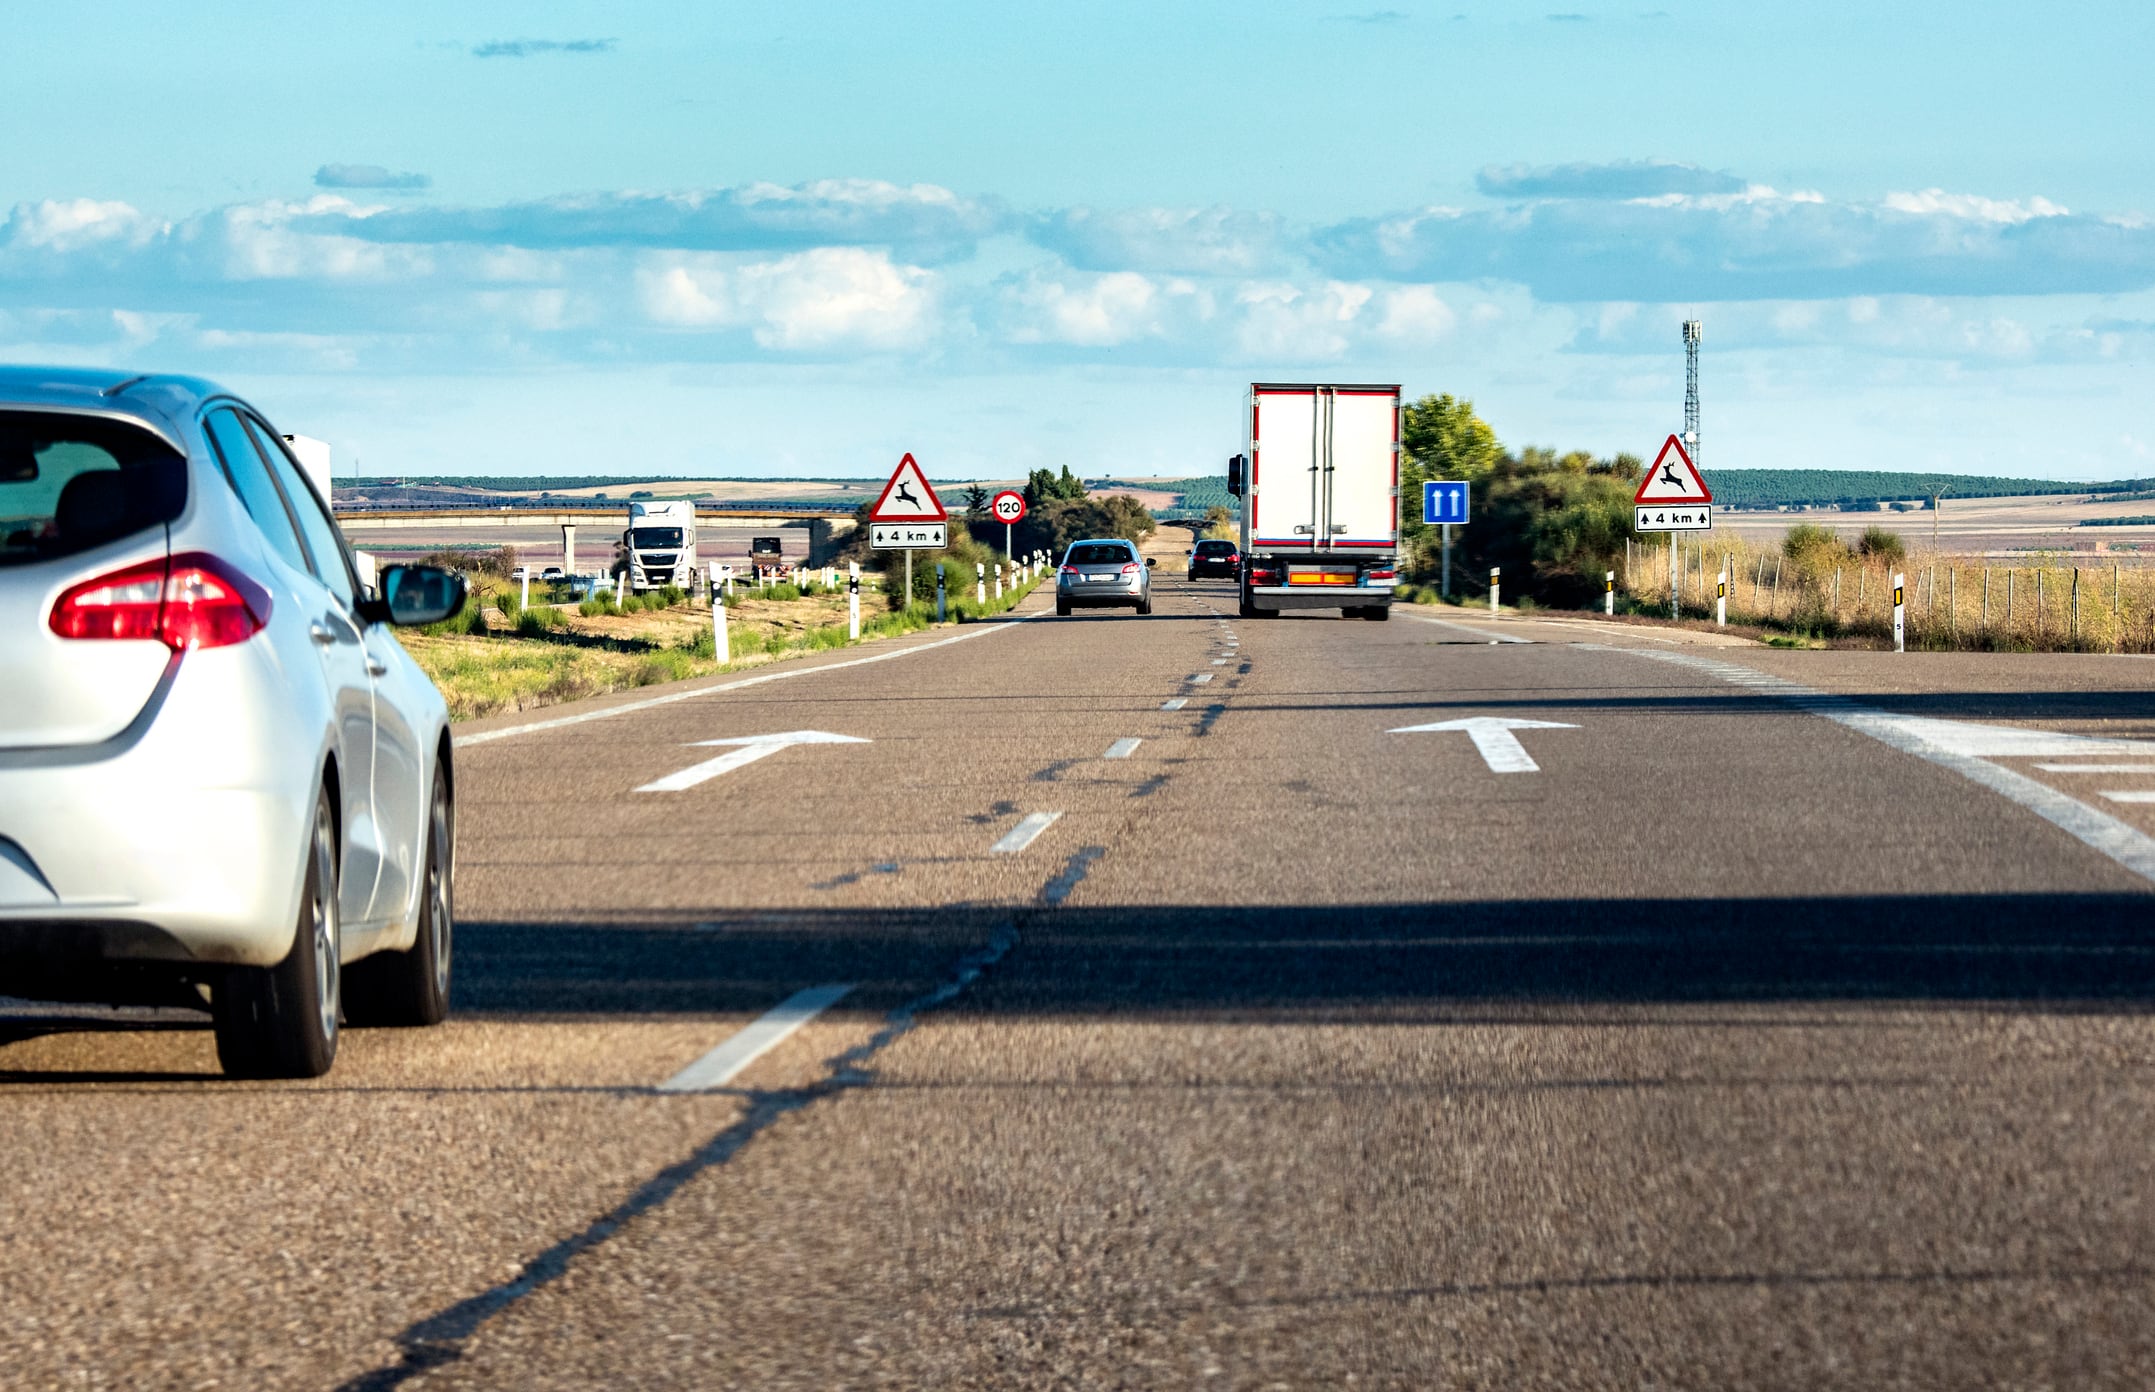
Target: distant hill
point(1832, 487)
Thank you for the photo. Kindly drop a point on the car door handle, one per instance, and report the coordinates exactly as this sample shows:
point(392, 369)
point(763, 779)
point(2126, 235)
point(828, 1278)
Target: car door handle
point(376, 667)
point(321, 634)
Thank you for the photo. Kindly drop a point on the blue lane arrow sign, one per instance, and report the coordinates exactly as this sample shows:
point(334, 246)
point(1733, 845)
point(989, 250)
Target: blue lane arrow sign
point(1444, 500)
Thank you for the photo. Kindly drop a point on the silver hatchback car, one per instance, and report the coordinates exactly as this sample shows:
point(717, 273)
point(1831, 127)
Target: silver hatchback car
point(222, 781)
point(1099, 572)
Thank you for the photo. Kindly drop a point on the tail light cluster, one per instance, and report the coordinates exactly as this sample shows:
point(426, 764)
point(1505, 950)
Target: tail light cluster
point(1380, 575)
point(1130, 569)
point(1264, 574)
point(192, 600)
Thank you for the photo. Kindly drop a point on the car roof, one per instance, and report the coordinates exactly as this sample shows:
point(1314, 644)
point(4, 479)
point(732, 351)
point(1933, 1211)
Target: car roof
point(156, 400)
point(1105, 541)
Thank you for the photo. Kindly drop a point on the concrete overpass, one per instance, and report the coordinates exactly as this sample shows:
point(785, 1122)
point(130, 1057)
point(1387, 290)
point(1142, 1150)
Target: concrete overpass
point(827, 527)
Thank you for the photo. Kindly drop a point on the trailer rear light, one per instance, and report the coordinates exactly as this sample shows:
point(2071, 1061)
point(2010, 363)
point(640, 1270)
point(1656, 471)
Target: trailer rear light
point(194, 600)
point(1384, 574)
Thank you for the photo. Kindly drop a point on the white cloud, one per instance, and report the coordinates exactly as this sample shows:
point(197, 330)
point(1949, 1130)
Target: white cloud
point(1413, 316)
point(1283, 322)
point(1938, 203)
point(1100, 311)
point(826, 298)
point(71, 224)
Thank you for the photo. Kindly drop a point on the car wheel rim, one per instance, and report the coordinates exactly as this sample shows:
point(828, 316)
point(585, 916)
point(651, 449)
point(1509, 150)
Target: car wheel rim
point(324, 914)
point(439, 924)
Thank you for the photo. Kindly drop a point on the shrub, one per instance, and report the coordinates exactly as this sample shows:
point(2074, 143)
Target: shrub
point(1815, 551)
point(1882, 544)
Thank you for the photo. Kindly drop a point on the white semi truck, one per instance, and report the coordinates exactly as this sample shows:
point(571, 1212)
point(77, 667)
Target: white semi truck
point(1319, 484)
point(659, 548)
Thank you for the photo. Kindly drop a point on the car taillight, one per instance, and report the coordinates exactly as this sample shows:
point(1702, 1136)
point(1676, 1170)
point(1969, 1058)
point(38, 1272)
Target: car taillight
point(1071, 570)
point(194, 600)
point(1130, 569)
point(1384, 573)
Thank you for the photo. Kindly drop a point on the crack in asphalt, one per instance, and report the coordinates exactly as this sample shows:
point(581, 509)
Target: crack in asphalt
point(443, 1337)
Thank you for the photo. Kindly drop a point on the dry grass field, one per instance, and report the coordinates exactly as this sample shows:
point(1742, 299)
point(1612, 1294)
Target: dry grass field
point(1989, 527)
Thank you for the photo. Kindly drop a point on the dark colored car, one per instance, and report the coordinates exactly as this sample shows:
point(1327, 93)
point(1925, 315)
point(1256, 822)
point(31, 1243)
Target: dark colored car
point(1215, 558)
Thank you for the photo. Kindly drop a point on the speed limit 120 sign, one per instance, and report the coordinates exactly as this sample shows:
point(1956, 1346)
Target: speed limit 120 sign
point(1009, 507)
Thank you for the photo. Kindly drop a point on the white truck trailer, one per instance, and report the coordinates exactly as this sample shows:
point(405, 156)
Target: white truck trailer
point(1319, 485)
point(659, 548)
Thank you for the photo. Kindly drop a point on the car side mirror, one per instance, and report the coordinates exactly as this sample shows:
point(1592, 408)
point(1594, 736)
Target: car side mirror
point(1234, 476)
point(1151, 561)
point(417, 594)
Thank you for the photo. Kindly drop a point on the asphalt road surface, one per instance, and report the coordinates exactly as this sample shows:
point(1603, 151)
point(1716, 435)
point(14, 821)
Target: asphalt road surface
point(1762, 1019)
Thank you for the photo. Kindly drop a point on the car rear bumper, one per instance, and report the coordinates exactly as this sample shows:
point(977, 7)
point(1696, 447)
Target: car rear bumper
point(1320, 596)
point(1228, 570)
point(156, 846)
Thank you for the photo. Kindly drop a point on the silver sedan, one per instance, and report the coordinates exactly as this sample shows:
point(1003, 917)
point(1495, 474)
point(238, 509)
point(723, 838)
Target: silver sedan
point(222, 781)
point(1102, 572)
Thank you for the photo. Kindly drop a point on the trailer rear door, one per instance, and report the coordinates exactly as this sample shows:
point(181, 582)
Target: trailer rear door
point(1324, 467)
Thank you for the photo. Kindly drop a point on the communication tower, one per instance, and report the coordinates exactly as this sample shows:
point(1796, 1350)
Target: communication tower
point(1691, 389)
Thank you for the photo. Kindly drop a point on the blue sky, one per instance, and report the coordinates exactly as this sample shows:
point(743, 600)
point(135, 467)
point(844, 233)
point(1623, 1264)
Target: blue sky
point(807, 238)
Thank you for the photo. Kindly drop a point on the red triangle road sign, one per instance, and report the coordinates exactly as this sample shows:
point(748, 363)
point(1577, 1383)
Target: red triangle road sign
point(908, 498)
point(1673, 479)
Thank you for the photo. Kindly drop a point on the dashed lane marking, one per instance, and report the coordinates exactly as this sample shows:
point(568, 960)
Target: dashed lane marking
point(1024, 833)
point(726, 1062)
point(1198, 677)
point(1122, 749)
point(1177, 704)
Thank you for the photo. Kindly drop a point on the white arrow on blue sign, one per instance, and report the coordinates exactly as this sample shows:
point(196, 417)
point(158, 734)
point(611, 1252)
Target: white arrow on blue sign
point(1444, 500)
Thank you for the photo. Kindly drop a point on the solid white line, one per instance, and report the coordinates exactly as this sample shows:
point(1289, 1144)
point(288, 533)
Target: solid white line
point(2097, 768)
point(2119, 840)
point(485, 736)
point(1122, 749)
point(2130, 797)
point(725, 1063)
point(1463, 628)
point(1020, 836)
point(1177, 704)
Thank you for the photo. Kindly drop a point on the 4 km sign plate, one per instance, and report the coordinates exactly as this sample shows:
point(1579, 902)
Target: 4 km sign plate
point(1673, 496)
point(908, 536)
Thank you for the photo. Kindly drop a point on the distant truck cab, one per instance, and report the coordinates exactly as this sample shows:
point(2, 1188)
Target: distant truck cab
point(767, 558)
point(659, 548)
point(1319, 486)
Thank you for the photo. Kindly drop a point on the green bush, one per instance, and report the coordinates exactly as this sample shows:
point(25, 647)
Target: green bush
point(1882, 544)
point(1815, 551)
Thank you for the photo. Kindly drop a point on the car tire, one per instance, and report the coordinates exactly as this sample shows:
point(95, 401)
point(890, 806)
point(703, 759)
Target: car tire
point(1144, 606)
point(1062, 608)
point(281, 1021)
point(410, 988)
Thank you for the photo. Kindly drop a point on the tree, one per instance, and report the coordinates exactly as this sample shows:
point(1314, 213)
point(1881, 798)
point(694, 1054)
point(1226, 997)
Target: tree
point(976, 499)
point(1440, 438)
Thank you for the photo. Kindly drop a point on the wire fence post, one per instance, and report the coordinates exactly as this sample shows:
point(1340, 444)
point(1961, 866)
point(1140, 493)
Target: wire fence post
point(2074, 632)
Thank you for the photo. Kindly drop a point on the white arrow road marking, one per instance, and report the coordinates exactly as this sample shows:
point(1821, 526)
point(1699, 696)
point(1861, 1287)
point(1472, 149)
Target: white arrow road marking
point(751, 748)
point(1493, 737)
point(726, 1062)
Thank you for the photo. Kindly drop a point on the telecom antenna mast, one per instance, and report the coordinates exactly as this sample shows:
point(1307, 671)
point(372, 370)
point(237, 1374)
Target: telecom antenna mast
point(1691, 389)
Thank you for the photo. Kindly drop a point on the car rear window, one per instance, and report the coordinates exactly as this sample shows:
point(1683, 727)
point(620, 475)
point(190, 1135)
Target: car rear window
point(1099, 553)
point(68, 483)
point(1215, 548)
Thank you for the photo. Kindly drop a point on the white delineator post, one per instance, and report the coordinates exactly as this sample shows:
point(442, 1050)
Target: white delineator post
point(1900, 630)
point(998, 579)
point(1495, 573)
point(1721, 600)
point(719, 643)
point(1608, 593)
point(525, 601)
point(980, 582)
point(853, 600)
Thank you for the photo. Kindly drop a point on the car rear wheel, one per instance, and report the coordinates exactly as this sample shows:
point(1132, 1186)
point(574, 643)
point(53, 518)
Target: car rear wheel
point(281, 1021)
point(412, 987)
point(1062, 608)
point(1144, 606)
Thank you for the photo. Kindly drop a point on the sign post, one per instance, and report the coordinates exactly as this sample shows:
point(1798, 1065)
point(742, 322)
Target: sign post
point(1672, 497)
point(1445, 501)
point(1009, 509)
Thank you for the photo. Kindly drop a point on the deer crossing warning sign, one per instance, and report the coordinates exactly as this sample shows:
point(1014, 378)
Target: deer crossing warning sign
point(1673, 496)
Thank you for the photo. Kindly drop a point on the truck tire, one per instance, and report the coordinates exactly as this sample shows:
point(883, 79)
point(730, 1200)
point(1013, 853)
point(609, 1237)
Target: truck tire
point(281, 1021)
point(1377, 613)
point(412, 987)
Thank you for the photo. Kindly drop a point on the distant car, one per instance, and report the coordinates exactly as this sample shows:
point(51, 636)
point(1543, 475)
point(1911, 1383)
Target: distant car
point(221, 776)
point(1103, 572)
point(1215, 558)
point(552, 573)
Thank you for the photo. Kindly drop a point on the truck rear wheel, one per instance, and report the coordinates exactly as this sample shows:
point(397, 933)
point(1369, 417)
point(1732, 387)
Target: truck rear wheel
point(1377, 613)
